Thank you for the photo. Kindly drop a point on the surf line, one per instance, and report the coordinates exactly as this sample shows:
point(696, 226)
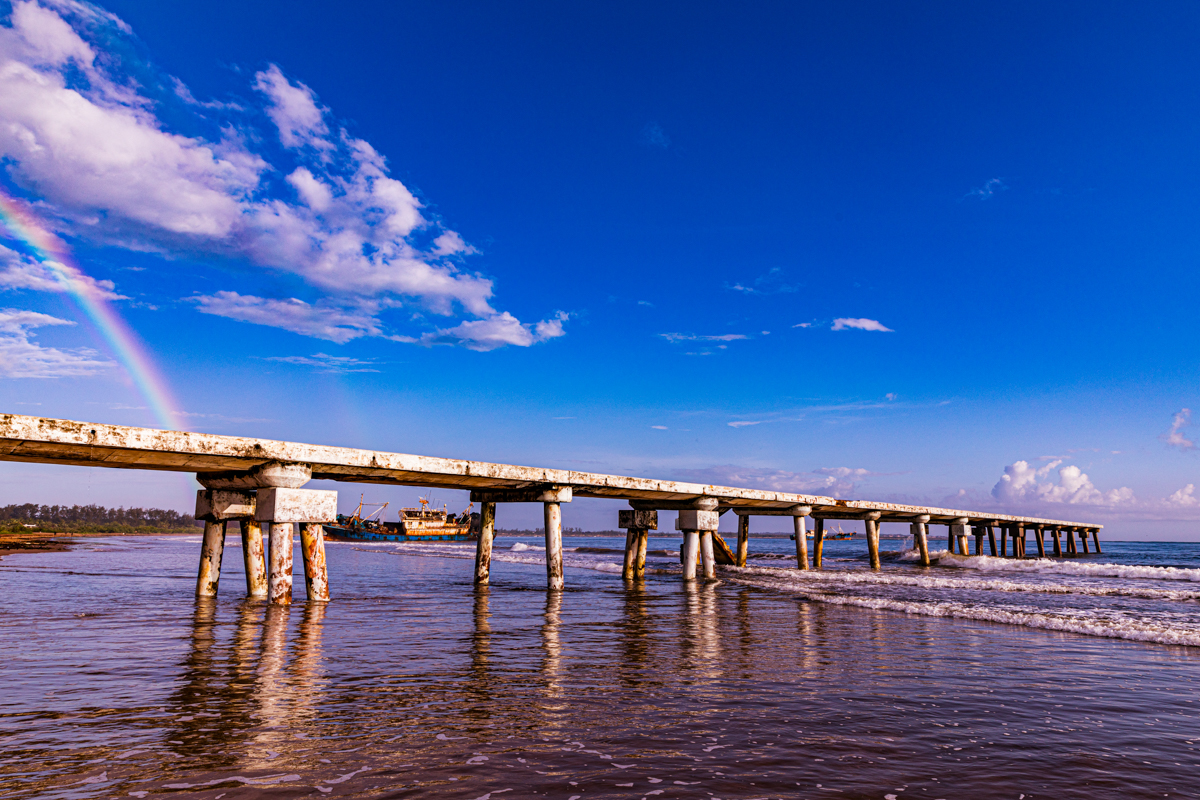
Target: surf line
point(53, 254)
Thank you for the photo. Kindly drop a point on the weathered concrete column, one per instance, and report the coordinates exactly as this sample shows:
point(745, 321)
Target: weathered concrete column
point(281, 508)
point(871, 521)
point(554, 560)
point(1004, 541)
point(1083, 540)
point(212, 549)
point(919, 529)
point(950, 539)
point(1071, 549)
point(1054, 533)
point(483, 548)
point(991, 532)
point(1019, 540)
point(316, 574)
point(818, 541)
point(1039, 538)
point(798, 515)
point(978, 531)
point(743, 540)
point(692, 522)
point(216, 508)
point(958, 533)
point(638, 524)
point(1096, 539)
point(708, 560)
point(254, 558)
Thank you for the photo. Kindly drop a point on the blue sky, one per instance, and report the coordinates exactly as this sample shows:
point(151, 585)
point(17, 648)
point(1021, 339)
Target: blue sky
point(943, 254)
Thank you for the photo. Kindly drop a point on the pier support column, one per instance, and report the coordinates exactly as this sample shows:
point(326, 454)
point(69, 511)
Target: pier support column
point(991, 533)
point(554, 560)
point(1019, 541)
point(798, 525)
point(743, 540)
point(212, 549)
point(918, 529)
point(1071, 550)
point(1039, 537)
point(254, 557)
point(638, 524)
point(950, 538)
point(1095, 539)
point(708, 561)
point(316, 574)
point(694, 522)
point(871, 521)
point(1054, 532)
point(958, 534)
point(216, 507)
point(1083, 540)
point(818, 541)
point(483, 548)
point(978, 531)
point(282, 508)
point(1004, 541)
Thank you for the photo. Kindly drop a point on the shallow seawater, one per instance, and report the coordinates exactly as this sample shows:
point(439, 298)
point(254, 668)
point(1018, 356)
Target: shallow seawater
point(1069, 679)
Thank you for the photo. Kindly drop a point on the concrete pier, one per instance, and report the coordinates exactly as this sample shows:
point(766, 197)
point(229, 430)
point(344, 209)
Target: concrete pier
point(958, 535)
point(991, 534)
point(708, 561)
point(1083, 541)
point(693, 523)
point(801, 534)
point(316, 574)
point(977, 530)
point(279, 576)
point(1096, 540)
point(483, 547)
point(638, 525)
point(1054, 533)
point(263, 469)
point(918, 528)
point(1038, 537)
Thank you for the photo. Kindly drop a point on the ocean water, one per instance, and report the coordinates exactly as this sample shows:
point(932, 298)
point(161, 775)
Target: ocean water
point(973, 678)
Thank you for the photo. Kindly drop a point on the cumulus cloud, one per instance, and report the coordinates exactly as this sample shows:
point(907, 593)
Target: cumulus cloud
point(90, 141)
point(1173, 437)
point(829, 481)
point(21, 357)
point(327, 363)
point(1184, 497)
point(987, 191)
point(848, 323)
point(1023, 483)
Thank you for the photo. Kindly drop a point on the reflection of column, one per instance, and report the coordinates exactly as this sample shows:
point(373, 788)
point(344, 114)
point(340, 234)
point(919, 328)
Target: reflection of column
point(634, 637)
point(270, 688)
point(701, 639)
point(201, 687)
point(481, 641)
point(305, 668)
point(552, 663)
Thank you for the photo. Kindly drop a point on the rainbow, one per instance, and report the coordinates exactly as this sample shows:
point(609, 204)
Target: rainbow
point(53, 254)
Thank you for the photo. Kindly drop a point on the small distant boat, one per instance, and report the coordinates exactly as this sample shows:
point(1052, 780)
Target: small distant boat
point(837, 535)
point(415, 525)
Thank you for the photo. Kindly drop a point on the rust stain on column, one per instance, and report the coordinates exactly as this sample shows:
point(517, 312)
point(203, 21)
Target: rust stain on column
point(316, 574)
point(707, 558)
point(818, 542)
point(873, 542)
point(743, 540)
point(255, 558)
point(212, 548)
point(639, 569)
point(280, 581)
point(631, 553)
point(483, 548)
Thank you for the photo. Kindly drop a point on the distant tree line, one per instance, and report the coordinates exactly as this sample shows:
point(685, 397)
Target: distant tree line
point(93, 519)
point(566, 532)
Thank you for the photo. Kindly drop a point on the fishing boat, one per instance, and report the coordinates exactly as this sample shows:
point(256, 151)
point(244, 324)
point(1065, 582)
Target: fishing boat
point(422, 524)
point(838, 535)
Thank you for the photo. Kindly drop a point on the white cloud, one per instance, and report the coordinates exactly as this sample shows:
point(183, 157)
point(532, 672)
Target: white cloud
point(1184, 497)
point(1022, 483)
point(327, 363)
point(319, 321)
point(659, 427)
point(1173, 437)
point(18, 271)
point(691, 337)
point(987, 191)
point(497, 331)
point(891, 397)
point(846, 323)
point(293, 109)
point(20, 357)
point(743, 423)
point(654, 136)
point(90, 142)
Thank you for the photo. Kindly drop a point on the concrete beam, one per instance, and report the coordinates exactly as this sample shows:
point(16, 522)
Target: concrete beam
point(638, 519)
point(537, 494)
point(220, 504)
point(794, 511)
point(296, 505)
point(692, 520)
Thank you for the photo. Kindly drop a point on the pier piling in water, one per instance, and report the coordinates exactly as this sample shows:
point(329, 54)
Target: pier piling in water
point(638, 524)
point(1071, 549)
point(1083, 541)
point(743, 540)
point(281, 508)
point(254, 557)
point(978, 531)
point(919, 528)
point(1038, 536)
point(798, 515)
point(958, 535)
point(991, 534)
point(707, 558)
point(818, 542)
point(483, 547)
point(212, 548)
point(279, 578)
point(693, 522)
point(316, 574)
point(871, 521)
point(1054, 536)
point(1095, 539)
point(554, 562)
